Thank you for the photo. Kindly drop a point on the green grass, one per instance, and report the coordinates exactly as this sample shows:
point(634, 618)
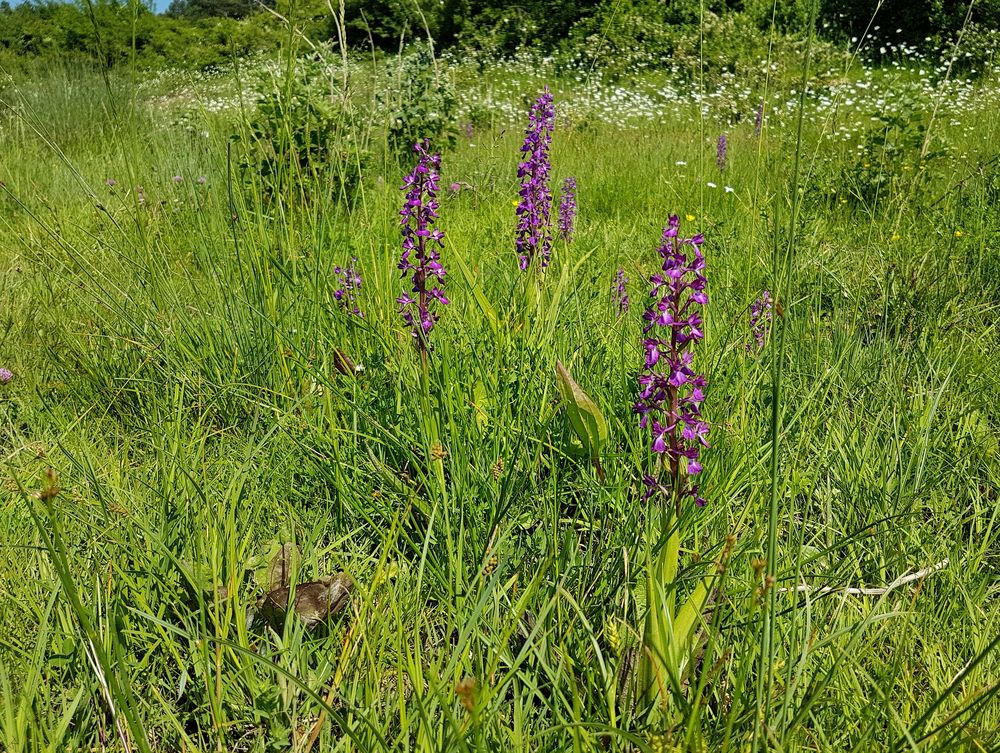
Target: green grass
point(174, 365)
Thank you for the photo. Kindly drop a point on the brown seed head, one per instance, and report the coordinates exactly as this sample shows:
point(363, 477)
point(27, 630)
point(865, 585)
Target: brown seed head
point(490, 566)
point(466, 691)
point(51, 489)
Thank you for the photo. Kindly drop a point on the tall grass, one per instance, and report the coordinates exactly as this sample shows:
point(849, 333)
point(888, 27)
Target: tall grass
point(175, 365)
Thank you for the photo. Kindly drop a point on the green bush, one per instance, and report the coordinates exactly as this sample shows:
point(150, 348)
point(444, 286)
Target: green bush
point(114, 34)
point(978, 49)
point(643, 35)
point(789, 16)
point(897, 158)
point(937, 20)
point(624, 38)
point(419, 103)
point(306, 135)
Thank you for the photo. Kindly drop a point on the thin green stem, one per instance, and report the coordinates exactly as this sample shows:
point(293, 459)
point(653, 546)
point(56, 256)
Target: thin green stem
point(782, 273)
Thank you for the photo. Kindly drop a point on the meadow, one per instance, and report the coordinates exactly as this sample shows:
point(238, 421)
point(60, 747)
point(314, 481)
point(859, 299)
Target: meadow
point(194, 414)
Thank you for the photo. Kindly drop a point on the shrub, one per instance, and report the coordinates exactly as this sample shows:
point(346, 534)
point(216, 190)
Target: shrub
point(419, 103)
point(891, 161)
point(305, 132)
point(978, 51)
point(623, 39)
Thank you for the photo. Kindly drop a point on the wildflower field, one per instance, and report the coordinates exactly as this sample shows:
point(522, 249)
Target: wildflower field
point(436, 403)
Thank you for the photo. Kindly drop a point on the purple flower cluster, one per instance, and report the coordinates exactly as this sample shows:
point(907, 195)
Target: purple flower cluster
point(671, 392)
point(619, 292)
point(350, 287)
point(721, 151)
point(567, 208)
point(758, 121)
point(5, 375)
point(533, 211)
point(760, 319)
point(421, 241)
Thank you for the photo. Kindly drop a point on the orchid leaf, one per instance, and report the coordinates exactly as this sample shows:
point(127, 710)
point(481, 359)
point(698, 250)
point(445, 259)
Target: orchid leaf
point(584, 414)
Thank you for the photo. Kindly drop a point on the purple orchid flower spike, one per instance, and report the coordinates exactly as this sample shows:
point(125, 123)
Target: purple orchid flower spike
point(534, 236)
point(722, 152)
point(347, 294)
point(422, 241)
point(670, 390)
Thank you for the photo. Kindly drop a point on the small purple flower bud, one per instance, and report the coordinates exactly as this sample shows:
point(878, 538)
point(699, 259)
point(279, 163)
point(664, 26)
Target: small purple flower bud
point(201, 180)
point(567, 209)
point(619, 296)
point(5, 375)
point(177, 179)
point(760, 320)
point(721, 152)
point(350, 288)
point(111, 182)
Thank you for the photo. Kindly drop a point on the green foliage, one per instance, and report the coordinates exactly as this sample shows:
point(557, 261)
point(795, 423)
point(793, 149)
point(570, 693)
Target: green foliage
point(306, 136)
point(938, 20)
point(979, 48)
point(179, 360)
point(387, 24)
point(897, 156)
point(194, 9)
point(113, 34)
point(624, 37)
point(502, 28)
point(617, 36)
point(785, 17)
point(894, 154)
point(584, 416)
point(419, 103)
point(208, 43)
point(634, 37)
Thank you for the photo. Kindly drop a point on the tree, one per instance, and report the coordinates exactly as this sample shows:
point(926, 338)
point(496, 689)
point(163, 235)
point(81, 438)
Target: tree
point(197, 9)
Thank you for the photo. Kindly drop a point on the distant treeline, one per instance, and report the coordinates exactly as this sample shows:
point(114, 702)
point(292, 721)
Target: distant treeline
point(109, 32)
point(205, 32)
